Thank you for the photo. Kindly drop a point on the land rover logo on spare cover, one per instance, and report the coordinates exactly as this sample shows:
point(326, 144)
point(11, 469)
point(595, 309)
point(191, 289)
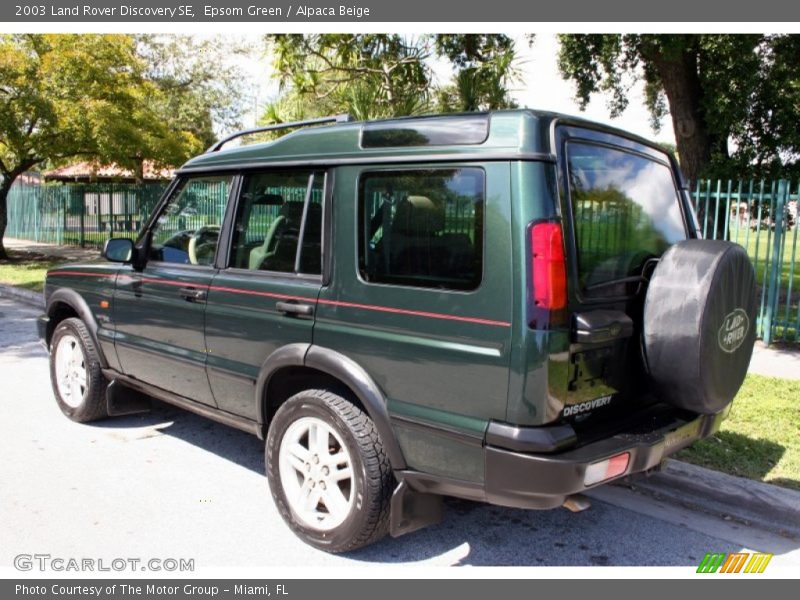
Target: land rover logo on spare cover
point(734, 330)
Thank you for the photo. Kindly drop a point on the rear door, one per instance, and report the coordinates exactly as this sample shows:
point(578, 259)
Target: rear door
point(159, 312)
point(265, 293)
point(625, 209)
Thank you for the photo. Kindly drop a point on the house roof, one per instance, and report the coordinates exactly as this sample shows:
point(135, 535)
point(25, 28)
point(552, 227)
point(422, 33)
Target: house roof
point(93, 171)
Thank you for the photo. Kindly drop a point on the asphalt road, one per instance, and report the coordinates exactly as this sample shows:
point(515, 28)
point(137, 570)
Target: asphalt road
point(171, 484)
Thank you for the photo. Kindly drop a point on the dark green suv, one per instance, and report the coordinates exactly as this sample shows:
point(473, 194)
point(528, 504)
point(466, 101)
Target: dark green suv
point(509, 307)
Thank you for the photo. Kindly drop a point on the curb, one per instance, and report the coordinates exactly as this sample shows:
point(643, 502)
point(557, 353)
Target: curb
point(27, 296)
point(762, 505)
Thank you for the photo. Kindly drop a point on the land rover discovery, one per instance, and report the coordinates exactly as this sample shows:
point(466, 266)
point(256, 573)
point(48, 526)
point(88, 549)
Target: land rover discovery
point(510, 307)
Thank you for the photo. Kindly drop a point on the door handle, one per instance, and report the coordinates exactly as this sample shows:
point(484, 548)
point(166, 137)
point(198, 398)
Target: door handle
point(292, 308)
point(192, 294)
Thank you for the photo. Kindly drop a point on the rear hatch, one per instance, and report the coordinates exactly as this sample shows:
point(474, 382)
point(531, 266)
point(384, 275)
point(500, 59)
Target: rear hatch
point(623, 207)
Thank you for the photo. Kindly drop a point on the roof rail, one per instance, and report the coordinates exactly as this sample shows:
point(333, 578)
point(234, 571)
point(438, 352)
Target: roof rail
point(343, 118)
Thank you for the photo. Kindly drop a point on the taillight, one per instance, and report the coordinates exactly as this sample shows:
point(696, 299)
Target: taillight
point(606, 469)
point(548, 266)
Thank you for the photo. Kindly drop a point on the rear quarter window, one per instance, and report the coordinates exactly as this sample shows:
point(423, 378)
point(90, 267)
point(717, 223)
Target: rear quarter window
point(626, 210)
point(422, 228)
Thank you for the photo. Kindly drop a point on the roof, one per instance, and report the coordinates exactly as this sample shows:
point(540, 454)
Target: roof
point(512, 134)
point(93, 171)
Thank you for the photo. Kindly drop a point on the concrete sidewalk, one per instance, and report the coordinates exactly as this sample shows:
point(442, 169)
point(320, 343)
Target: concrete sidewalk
point(776, 361)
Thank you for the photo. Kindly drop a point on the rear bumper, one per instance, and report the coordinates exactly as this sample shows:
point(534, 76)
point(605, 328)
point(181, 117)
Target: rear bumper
point(542, 481)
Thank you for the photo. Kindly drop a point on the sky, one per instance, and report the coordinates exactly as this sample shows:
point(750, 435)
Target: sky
point(542, 88)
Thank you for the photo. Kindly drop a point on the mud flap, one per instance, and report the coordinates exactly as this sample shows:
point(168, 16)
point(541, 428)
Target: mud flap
point(412, 510)
point(122, 400)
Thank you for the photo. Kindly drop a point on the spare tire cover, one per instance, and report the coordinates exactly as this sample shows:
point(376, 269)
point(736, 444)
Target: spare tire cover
point(699, 324)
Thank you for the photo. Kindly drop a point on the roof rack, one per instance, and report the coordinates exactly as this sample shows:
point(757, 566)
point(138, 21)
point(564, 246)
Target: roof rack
point(343, 118)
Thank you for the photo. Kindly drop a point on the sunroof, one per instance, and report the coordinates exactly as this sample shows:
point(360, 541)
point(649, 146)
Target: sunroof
point(433, 131)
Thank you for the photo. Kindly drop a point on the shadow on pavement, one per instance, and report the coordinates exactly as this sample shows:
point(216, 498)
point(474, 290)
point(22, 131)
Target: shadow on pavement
point(475, 533)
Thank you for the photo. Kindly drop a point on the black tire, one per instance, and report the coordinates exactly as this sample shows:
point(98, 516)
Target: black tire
point(699, 324)
point(91, 405)
point(368, 518)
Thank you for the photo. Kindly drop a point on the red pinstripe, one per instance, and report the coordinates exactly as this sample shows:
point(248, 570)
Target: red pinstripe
point(339, 303)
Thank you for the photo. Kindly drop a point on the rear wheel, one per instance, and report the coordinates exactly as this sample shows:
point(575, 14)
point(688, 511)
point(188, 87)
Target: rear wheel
point(328, 472)
point(78, 383)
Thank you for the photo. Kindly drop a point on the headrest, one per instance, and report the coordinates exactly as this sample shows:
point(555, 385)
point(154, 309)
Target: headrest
point(417, 215)
point(293, 211)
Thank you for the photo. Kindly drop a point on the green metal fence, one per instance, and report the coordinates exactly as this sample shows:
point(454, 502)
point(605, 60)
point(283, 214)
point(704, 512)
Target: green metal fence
point(759, 215)
point(79, 214)
point(762, 217)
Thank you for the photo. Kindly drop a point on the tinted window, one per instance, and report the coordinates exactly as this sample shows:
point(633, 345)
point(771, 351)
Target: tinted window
point(422, 228)
point(626, 209)
point(187, 230)
point(268, 227)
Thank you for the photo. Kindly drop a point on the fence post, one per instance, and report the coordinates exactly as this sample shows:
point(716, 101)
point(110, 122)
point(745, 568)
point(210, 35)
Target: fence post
point(62, 201)
point(776, 264)
point(83, 219)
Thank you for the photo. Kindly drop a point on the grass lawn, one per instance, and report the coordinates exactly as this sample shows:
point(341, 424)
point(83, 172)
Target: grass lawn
point(26, 271)
point(760, 439)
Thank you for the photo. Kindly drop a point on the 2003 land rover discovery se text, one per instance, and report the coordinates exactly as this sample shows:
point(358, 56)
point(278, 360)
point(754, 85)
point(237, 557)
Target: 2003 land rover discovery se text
point(510, 307)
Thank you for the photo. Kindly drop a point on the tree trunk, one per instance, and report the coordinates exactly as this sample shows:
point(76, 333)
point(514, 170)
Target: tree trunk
point(681, 82)
point(8, 179)
point(138, 171)
point(4, 189)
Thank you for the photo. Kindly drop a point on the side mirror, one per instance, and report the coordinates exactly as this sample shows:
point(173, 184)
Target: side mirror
point(119, 250)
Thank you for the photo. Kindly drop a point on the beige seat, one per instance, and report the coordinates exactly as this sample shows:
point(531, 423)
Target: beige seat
point(289, 218)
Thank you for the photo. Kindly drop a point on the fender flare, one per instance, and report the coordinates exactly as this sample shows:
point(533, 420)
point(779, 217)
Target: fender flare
point(291, 355)
point(345, 370)
point(75, 301)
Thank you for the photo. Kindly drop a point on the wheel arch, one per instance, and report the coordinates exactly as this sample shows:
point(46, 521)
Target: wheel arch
point(321, 366)
point(65, 303)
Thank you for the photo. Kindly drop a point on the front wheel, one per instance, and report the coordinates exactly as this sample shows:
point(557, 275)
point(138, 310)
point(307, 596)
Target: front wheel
point(328, 472)
point(78, 383)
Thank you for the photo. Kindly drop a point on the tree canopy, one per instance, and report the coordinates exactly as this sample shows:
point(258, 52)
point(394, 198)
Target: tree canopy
point(384, 75)
point(733, 99)
point(113, 98)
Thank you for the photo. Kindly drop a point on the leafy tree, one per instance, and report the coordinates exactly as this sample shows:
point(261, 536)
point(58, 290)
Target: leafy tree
point(200, 86)
point(485, 70)
point(768, 142)
point(377, 76)
point(732, 99)
point(113, 98)
point(367, 75)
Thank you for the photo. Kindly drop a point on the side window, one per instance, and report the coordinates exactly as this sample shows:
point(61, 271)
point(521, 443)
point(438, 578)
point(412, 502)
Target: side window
point(422, 228)
point(278, 224)
point(187, 230)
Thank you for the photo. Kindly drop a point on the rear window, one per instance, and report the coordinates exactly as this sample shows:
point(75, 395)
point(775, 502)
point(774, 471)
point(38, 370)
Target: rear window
point(626, 211)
